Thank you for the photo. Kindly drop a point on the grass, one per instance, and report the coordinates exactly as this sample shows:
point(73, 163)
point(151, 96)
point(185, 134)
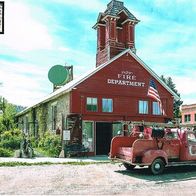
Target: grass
point(15, 164)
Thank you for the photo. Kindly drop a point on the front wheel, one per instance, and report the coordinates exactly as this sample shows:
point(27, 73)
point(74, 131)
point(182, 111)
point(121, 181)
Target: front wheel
point(157, 166)
point(129, 166)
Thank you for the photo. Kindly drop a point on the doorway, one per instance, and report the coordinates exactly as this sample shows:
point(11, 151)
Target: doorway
point(103, 137)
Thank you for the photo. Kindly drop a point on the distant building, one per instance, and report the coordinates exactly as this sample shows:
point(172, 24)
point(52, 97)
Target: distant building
point(122, 88)
point(189, 114)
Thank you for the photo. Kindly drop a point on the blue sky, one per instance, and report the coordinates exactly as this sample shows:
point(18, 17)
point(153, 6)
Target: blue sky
point(42, 33)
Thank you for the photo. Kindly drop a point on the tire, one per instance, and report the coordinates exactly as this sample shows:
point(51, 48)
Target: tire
point(129, 166)
point(157, 166)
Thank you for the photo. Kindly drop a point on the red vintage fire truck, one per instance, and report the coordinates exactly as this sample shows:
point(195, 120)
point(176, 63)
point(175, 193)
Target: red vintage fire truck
point(155, 147)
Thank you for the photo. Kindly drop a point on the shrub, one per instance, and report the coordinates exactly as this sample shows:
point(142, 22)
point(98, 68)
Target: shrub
point(12, 143)
point(11, 139)
point(51, 144)
point(34, 142)
point(5, 152)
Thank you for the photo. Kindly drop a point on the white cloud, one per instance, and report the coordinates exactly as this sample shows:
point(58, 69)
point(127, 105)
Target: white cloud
point(23, 97)
point(28, 36)
point(170, 51)
point(22, 83)
point(22, 68)
point(28, 39)
point(81, 60)
point(185, 84)
point(95, 5)
point(170, 47)
point(186, 87)
point(63, 49)
point(162, 3)
point(22, 32)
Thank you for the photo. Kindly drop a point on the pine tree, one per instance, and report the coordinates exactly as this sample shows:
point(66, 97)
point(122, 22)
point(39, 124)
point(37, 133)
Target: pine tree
point(177, 103)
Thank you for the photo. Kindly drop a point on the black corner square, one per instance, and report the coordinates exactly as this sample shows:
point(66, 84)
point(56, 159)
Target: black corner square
point(1, 17)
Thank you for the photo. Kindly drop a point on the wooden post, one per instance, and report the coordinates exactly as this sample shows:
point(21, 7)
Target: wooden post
point(62, 153)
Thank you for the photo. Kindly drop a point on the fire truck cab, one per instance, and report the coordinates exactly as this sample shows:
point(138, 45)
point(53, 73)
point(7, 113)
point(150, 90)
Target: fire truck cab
point(155, 147)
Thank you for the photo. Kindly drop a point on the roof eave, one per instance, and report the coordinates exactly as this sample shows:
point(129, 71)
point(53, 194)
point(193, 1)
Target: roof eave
point(98, 24)
point(135, 19)
point(42, 102)
point(108, 15)
point(130, 20)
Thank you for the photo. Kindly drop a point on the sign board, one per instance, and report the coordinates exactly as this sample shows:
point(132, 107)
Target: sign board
point(126, 78)
point(1, 17)
point(66, 135)
point(58, 75)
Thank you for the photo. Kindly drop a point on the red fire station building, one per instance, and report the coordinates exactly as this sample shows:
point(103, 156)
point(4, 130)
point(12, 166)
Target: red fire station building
point(121, 88)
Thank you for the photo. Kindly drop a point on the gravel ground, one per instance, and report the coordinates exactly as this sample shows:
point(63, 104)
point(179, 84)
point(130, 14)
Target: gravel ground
point(95, 179)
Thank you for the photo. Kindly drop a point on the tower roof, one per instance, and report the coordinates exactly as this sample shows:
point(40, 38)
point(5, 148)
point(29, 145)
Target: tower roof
point(114, 8)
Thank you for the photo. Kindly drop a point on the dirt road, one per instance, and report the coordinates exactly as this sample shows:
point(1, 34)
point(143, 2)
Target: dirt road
point(95, 179)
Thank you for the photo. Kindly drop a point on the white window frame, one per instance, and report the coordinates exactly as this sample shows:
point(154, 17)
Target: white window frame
point(112, 108)
point(92, 104)
point(142, 109)
point(93, 134)
point(187, 118)
point(156, 110)
point(26, 124)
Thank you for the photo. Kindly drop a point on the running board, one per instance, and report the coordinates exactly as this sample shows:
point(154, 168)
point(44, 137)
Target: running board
point(181, 163)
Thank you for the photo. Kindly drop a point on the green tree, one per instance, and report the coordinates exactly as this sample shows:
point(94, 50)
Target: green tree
point(7, 114)
point(177, 103)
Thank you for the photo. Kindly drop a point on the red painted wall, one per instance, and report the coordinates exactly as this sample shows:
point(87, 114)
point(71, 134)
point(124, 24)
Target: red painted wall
point(125, 98)
point(189, 110)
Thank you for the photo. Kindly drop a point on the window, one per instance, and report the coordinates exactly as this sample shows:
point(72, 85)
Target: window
point(187, 118)
point(156, 108)
point(88, 135)
point(107, 105)
point(191, 137)
point(26, 124)
point(91, 104)
point(143, 107)
point(117, 128)
point(171, 134)
point(54, 116)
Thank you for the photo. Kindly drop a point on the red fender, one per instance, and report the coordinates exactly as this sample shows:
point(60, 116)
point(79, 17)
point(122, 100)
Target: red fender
point(150, 155)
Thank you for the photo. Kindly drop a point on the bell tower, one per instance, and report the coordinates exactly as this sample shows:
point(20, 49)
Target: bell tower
point(115, 31)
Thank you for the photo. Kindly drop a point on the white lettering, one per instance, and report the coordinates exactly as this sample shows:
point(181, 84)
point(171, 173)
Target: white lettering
point(119, 75)
point(127, 78)
point(133, 77)
point(109, 81)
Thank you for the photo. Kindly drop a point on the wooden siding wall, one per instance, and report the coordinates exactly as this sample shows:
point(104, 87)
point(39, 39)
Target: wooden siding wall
point(125, 98)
